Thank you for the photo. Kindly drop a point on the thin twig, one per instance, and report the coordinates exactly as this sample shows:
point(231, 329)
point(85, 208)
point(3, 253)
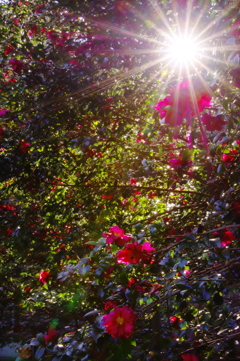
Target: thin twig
point(163, 190)
point(208, 232)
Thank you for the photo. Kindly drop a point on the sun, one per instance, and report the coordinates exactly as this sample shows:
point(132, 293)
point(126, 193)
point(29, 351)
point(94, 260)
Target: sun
point(182, 50)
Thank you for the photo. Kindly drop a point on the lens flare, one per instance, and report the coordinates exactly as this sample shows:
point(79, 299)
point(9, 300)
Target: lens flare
point(182, 50)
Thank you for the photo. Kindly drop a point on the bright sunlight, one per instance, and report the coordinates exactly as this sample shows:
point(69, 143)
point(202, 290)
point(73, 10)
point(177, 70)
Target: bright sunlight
point(182, 50)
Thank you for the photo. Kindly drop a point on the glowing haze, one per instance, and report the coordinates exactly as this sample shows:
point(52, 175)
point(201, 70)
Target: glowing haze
point(182, 50)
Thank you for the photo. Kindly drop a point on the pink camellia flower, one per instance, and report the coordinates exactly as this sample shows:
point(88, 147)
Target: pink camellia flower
point(17, 65)
point(187, 273)
point(52, 335)
point(229, 157)
point(182, 104)
point(3, 112)
point(213, 123)
point(134, 253)
point(44, 276)
point(117, 236)
point(176, 163)
point(164, 107)
point(190, 357)
point(120, 322)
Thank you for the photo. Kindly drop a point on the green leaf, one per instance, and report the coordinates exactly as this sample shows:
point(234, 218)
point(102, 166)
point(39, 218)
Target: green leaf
point(40, 338)
point(57, 358)
point(35, 342)
point(206, 295)
point(218, 299)
point(91, 314)
point(40, 352)
point(187, 154)
point(83, 270)
point(182, 285)
point(190, 237)
point(91, 243)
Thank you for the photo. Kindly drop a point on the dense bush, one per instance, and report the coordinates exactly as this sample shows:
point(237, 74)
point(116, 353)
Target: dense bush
point(120, 205)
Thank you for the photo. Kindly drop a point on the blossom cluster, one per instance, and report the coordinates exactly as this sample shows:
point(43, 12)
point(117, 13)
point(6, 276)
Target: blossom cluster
point(184, 103)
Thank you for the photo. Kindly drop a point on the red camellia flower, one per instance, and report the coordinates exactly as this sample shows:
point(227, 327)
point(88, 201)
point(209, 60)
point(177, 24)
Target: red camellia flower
point(175, 322)
point(236, 209)
point(44, 276)
point(109, 304)
point(182, 104)
point(227, 238)
point(134, 253)
point(8, 49)
point(9, 231)
point(105, 196)
point(24, 147)
point(17, 65)
point(27, 289)
point(133, 182)
point(120, 322)
point(190, 357)
point(213, 123)
point(133, 283)
point(152, 194)
point(33, 30)
point(39, 9)
point(108, 272)
point(51, 335)
point(117, 235)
